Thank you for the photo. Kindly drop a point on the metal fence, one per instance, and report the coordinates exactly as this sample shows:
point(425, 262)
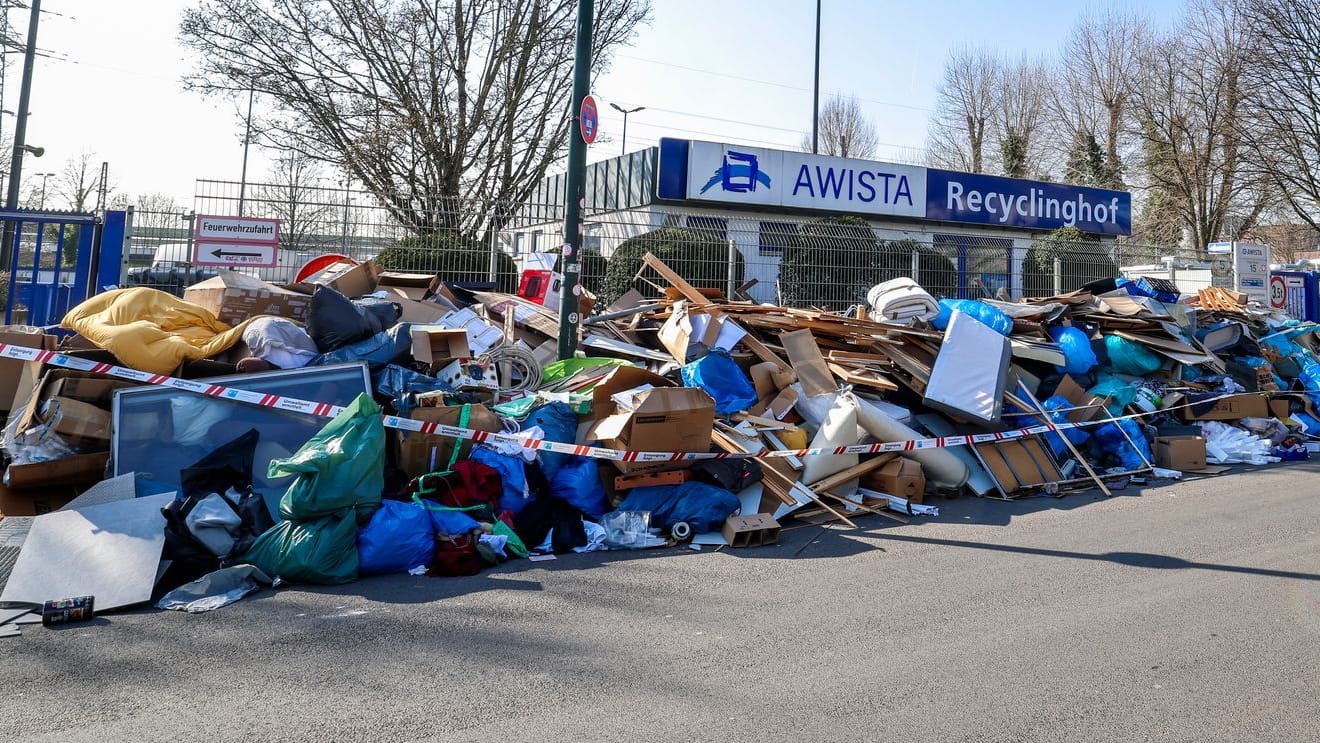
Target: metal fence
point(792, 260)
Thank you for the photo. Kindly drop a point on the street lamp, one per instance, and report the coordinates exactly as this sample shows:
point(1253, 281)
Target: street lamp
point(44, 178)
point(247, 134)
point(625, 112)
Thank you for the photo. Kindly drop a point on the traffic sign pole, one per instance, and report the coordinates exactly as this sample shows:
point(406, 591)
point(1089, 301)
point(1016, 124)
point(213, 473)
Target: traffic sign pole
point(571, 253)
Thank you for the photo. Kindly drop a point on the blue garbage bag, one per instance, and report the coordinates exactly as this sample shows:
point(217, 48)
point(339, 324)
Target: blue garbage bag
point(399, 385)
point(513, 477)
point(560, 424)
point(578, 482)
point(704, 507)
point(1056, 408)
point(721, 377)
point(399, 537)
point(991, 316)
point(448, 520)
point(1111, 440)
point(383, 348)
point(1130, 357)
point(1310, 378)
point(1078, 356)
point(1117, 393)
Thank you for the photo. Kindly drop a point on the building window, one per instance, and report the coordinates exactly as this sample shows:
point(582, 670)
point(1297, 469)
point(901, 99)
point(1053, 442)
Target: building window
point(719, 226)
point(775, 236)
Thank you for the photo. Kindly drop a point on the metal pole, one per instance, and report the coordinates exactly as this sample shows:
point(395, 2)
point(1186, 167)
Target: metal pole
point(347, 207)
point(624, 148)
point(20, 133)
point(247, 140)
point(44, 177)
point(815, 92)
point(731, 270)
point(577, 176)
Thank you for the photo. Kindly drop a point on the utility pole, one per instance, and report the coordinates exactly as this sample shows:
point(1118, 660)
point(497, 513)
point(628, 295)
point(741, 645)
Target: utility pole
point(20, 134)
point(571, 252)
point(815, 92)
point(247, 140)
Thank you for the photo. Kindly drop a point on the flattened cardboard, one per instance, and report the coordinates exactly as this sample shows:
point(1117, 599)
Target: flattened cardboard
point(234, 297)
point(80, 469)
point(421, 313)
point(34, 502)
point(1231, 408)
point(805, 358)
point(1182, 453)
point(622, 378)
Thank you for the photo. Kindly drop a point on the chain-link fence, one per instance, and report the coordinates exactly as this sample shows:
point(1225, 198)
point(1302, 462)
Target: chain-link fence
point(825, 262)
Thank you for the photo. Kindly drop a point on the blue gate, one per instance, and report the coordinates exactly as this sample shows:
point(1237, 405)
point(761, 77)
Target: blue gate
point(57, 260)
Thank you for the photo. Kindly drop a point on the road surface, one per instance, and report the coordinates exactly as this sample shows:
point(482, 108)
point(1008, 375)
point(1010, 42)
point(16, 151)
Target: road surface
point(1188, 612)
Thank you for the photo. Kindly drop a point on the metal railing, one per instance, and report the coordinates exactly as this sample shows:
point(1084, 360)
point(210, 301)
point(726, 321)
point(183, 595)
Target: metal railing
point(793, 260)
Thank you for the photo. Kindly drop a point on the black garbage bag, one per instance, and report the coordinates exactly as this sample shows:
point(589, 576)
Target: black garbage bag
point(335, 321)
point(217, 516)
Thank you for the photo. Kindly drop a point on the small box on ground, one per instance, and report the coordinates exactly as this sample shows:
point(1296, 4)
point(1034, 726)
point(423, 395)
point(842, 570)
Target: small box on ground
point(1231, 408)
point(756, 530)
point(234, 297)
point(1182, 453)
point(902, 478)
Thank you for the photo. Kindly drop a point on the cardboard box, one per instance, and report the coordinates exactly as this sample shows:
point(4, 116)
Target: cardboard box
point(234, 297)
point(673, 419)
point(77, 422)
point(351, 280)
point(1085, 406)
point(1231, 408)
point(418, 453)
point(421, 313)
point(98, 391)
point(12, 370)
point(1183, 453)
point(414, 286)
point(34, 502)
point(751, 531)
point(80, 469)
point(901, 477)
point(432, 345)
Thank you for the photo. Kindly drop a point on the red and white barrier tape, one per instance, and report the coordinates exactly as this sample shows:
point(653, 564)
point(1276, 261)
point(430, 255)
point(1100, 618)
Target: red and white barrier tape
point(326, 410)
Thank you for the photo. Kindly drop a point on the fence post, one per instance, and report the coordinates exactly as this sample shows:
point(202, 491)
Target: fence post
point(1058, 276)
point(494, 258)
point(732, 270)
point(916, 265)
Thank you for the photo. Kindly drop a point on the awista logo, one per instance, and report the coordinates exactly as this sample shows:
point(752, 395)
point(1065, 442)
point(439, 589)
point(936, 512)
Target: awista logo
point(738, 173)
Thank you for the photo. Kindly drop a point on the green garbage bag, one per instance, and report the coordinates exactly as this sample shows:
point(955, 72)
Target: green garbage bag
point(565, 368)
point(342, 466)
point(320, 551)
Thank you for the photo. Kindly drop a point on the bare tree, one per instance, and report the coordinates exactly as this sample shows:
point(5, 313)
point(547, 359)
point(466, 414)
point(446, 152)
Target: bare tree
point(1090, 96)
point(295, 194)
point(844, 130)
point(152, 212)
point(428, 103)
point(1189, 110)
point(961, 125)
point(77, 182)
point(1281, 76)
point(1019, 111)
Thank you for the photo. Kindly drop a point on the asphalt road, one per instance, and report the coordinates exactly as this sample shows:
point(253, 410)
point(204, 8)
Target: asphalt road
point(1188, 612)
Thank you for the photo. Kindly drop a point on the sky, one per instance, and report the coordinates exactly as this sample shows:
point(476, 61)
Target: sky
point(736, 71)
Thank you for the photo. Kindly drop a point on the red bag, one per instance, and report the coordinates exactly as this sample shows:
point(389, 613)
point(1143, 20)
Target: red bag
point(472, 487)
point(455, 556)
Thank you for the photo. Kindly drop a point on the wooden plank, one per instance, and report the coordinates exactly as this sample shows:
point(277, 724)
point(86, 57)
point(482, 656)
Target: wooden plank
point(853, 472)
point(695, 296)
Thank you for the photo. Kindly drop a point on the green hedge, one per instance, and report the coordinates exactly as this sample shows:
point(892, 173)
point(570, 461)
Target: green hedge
point(699, 256)
point(834, 261)
point(451, 256)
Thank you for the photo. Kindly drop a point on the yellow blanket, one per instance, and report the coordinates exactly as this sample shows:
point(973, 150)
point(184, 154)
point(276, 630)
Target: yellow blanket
point(150, 330)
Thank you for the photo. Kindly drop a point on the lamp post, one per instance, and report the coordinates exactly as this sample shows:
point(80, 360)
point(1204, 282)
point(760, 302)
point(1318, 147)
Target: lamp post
point(625, 112)
point(247, 134)
point(44, 178)
point(815, 92)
